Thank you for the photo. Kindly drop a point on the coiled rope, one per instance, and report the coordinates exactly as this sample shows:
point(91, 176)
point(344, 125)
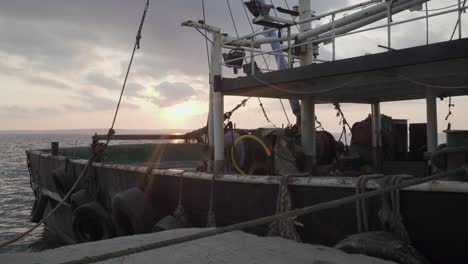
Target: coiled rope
point(264, 220)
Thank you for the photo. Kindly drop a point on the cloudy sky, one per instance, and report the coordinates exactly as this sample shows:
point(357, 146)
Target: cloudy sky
point(62, 64)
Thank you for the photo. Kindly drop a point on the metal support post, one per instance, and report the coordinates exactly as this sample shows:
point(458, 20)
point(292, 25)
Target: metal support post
point(309, 134)
point(459, 19)
point(252, 58)
point(431, 105)
point(307, 56)
point(427, 25)
point(389, 27)
point(333, 34)
point(210, 110)
point(376, 137)
point(289, 49)
point(218, 104)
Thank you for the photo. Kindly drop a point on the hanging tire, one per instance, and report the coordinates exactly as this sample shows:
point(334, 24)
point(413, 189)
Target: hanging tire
point(132, 213)
point(91, 222)
point(382, 245)
point(62, 181)
point(79, 198)
point(38, 208)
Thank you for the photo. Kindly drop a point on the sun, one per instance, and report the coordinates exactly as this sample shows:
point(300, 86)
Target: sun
point(183, 111)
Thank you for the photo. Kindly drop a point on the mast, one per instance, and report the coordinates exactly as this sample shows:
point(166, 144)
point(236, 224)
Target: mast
point(218, 103)
point(308, 132)
point(216, 107)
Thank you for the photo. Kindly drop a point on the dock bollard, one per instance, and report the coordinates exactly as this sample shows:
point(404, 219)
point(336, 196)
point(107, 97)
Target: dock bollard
point(54, 146)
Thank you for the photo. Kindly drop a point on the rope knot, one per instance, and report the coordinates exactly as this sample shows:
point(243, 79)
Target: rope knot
point(138, 38)
point(110, 134)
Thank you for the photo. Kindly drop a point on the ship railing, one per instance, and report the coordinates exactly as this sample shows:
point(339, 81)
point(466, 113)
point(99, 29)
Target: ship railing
point(250, 43)
point(186, 138)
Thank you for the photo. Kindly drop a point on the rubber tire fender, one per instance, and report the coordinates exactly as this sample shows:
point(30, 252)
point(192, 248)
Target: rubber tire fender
point(38, 208)
point(62, 182)
point(91, 222)
point(132, 213)
point(79, 198)
point(382, 245)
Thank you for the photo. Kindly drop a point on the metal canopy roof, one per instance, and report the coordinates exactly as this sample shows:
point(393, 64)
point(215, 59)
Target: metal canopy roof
point(389, 76)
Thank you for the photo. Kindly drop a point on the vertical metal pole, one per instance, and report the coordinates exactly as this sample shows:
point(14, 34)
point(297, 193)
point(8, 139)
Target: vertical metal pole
point(376, 136)
point(218, 105)
point(289, 49)
point(308, 133)
point(210, 109)
point(252, 59)
point(427, 25)
point(308, 106)
point(389, 21)
point(333, 34)
point(431, 109)
point(459, 19)
point(304, 13)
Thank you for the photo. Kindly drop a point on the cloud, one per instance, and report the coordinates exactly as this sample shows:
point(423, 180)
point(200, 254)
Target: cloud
point(26, 72)
point(93, 103)
point(48, 82)
point(24, 112)
point(82, 49)
point(103, 81)
point(134, 90)
point(173, 93)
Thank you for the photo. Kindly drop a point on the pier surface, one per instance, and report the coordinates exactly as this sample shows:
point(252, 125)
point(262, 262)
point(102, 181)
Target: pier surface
point(233, 247)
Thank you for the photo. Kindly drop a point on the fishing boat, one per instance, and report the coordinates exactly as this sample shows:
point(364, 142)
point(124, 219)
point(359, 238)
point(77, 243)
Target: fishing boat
point(393, 192)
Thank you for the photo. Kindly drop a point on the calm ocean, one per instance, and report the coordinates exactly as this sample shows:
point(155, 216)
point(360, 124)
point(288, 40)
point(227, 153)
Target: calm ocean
point(16, 197)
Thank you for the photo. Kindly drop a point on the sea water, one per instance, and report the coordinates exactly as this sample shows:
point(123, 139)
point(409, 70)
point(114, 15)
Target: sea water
point(16, 196)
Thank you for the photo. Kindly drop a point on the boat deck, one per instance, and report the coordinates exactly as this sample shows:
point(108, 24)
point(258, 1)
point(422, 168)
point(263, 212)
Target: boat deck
point(389, 76)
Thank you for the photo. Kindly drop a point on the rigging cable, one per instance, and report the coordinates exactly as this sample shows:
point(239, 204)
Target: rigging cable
point(205, 35)
point(206, 39)
point(284, 110)
point(264, 59)
point(95, 155)
point(264, 112)
point(232, 18)
point(343, 122)
point(266, 63)
point(450, 105)
point(458, 22)
point(309, 92)
point(432, 85)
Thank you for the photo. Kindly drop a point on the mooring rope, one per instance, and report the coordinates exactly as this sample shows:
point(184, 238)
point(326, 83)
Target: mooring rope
point(284, 227)
point(211, 217)
point(263, 220)
point(135, 47)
